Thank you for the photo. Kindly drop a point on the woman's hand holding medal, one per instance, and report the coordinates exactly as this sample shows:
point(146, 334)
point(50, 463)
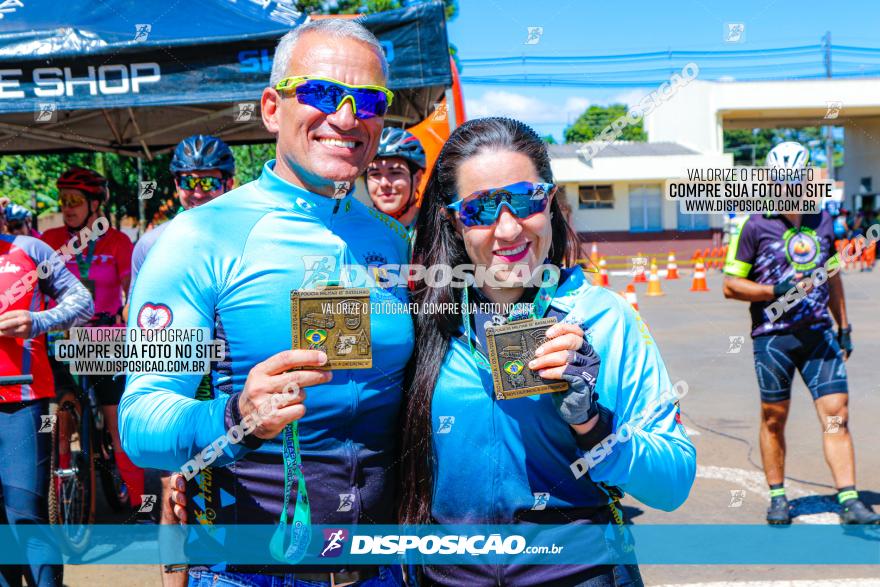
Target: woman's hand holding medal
point(568, 356)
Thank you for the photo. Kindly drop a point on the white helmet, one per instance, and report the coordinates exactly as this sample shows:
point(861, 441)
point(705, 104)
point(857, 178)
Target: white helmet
point(788, 155)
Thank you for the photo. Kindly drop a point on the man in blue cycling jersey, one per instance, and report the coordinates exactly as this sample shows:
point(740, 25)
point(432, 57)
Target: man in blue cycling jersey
point(771, 258)
point(230, 266)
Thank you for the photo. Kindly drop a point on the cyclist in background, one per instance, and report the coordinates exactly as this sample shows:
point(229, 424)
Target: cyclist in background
point(104, 267)
point(203, 168)
point(768, 256)
point(19, 220)
point(24, 451)
point(394, 175)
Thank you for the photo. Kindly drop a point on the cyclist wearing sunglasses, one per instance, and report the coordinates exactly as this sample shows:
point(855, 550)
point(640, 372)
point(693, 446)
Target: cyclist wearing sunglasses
point(393, 177)
point(203, 167)
point(491, 202)
point(104, 267)
point(24, 450)
point(230, 266)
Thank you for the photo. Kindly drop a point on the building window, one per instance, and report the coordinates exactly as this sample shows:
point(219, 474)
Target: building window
point(595, 196)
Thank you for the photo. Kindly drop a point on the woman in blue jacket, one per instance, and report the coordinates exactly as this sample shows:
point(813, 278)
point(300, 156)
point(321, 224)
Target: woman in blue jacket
point(555, 458)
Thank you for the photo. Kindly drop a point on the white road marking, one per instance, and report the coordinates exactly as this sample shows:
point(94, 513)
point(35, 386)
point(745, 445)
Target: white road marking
point(690, 432)
point(755, 482)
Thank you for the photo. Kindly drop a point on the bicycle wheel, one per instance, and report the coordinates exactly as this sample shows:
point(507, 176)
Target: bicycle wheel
point(72, 483)
point(115, 489)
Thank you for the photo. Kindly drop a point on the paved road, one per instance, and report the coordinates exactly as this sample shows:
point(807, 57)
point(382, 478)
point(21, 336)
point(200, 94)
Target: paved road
point(693, 332)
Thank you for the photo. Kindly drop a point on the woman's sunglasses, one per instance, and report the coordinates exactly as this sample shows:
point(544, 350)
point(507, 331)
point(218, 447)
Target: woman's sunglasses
point(328, 95)
point(522, 199)
point(208, 183)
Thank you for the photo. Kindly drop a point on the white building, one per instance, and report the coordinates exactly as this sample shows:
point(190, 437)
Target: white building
point(620, 189)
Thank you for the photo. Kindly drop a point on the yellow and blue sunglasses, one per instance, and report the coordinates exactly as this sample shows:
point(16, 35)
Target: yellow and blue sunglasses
point(328, 95)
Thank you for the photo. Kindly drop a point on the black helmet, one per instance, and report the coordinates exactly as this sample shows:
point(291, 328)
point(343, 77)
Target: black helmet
point(202, 152)
point(397, 142)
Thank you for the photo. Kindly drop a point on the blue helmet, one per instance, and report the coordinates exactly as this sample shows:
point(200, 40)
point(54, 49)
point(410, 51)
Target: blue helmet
point(16, 213)
point(397, 142)
point(202, 152)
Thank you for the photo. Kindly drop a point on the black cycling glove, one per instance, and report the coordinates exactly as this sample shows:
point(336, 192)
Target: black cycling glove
point(845, 340)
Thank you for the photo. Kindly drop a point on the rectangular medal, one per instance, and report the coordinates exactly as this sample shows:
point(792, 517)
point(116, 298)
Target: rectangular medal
point(335, 320)
point(510, 348)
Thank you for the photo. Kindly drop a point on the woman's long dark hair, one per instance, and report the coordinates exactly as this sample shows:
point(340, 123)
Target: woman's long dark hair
point(438, 243)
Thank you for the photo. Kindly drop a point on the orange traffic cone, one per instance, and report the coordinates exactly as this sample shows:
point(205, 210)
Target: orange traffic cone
point(594, 254)
point(671, 266)
point(654, 282)
point(639, 269)
point(602, 277)
point(630, 295)
point(699, 283)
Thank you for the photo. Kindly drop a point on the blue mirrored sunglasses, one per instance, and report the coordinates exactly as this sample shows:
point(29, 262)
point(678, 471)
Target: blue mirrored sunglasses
point(484, 207)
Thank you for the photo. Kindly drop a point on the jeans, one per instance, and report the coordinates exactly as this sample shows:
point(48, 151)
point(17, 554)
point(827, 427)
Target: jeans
point(24, 484)
point(388, 577)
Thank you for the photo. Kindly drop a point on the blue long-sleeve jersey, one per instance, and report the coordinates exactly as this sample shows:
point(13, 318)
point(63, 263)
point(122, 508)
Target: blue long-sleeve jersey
point(230, 266)
point(509, 461)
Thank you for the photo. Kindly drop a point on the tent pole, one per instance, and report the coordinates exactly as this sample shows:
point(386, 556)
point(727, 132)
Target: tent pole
point(137, 129)
point(142, 206)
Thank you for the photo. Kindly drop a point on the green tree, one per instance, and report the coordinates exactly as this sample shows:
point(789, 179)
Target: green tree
point(596, 119)
point(549, 139)
point(367, 6)
point(741, 142)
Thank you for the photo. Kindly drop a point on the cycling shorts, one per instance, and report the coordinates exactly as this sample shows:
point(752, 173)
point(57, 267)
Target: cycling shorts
point(814, 353)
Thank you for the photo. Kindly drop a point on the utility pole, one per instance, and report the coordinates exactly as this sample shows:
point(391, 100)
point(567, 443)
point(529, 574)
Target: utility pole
point(829, 136)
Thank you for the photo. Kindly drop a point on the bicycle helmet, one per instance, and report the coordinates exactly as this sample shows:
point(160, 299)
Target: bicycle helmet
point(397, 142)
point(202, 152)
point(16, 213)
point(90, 183)
point(788, 155)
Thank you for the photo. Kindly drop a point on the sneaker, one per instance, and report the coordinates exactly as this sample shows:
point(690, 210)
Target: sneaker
point(779, 512)
point(856, 512)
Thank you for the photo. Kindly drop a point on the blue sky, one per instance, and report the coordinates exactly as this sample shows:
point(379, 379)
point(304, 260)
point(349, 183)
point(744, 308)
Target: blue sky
point(499, 28)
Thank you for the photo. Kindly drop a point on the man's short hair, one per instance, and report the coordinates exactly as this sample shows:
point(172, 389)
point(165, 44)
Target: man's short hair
point(338, 28)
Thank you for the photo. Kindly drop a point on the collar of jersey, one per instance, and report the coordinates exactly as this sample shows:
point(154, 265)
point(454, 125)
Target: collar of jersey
point(296, 198)
point(572, 283)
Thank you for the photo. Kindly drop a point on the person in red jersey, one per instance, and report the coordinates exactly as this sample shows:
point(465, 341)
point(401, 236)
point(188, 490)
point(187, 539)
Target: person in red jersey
point(104, 267)
point(30, 272)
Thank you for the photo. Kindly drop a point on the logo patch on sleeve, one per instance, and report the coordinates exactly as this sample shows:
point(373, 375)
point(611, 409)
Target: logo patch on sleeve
point(154, 316)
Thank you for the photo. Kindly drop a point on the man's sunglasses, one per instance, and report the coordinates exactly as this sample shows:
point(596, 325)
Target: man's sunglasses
point(208, 183)
point(71, 200)
point(522, 199)
point(328, 95)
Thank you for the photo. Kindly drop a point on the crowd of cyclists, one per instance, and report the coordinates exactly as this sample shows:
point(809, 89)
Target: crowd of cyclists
point(231, 257)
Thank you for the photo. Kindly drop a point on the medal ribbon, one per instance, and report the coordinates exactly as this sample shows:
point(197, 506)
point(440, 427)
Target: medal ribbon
point(85, 264)
point(539, 308)
point(300, 532)
point(298, 535)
